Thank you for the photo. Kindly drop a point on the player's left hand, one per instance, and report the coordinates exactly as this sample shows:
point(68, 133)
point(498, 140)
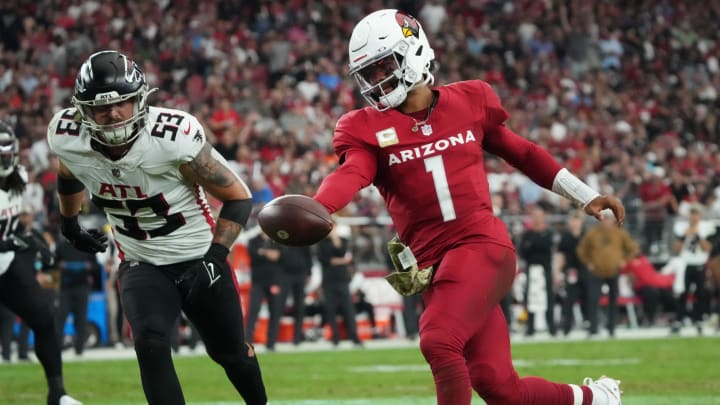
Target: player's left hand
point(603, 202)
point(90, 240)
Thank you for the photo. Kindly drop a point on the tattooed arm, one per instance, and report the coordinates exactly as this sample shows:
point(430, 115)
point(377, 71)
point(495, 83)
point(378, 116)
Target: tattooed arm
point(211, 171)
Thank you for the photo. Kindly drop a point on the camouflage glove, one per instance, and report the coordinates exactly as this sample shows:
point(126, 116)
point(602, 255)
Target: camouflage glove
point(407, 279)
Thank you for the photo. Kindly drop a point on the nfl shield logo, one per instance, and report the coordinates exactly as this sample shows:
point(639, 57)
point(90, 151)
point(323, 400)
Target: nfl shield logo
point(116, 172)
point(426, 129)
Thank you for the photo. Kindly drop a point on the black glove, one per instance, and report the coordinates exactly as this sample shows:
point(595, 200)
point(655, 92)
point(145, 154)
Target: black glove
point(12, 244)
point(91, 241)
point(215, 264)
point(199, 280)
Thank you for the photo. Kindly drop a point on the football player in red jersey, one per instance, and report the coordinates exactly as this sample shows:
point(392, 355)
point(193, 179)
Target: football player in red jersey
point(422, 147)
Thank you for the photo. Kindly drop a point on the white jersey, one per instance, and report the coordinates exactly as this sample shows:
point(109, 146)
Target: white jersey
point(157, 216)
point(10, 206)
point(691, 251)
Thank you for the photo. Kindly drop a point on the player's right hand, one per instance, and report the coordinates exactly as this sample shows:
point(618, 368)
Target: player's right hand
point(91, 241)
point(600, 203)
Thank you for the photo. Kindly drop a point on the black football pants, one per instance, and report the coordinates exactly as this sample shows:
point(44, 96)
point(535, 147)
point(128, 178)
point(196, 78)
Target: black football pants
point(152, 297)
point(21, 293)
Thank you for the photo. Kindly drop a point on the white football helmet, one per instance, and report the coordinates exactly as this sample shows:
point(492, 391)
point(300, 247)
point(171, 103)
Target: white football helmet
point(389, 57)
point(9, 150)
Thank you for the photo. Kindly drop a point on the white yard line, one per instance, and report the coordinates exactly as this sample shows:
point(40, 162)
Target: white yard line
point(517, 339)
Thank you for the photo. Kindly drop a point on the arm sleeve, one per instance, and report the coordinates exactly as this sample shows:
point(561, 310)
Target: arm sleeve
point(355, 173)
point(529, 158)
point(534, 161)
point(358, 167)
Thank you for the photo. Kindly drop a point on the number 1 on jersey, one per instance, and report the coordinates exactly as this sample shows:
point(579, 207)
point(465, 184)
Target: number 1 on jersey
point(435, 166)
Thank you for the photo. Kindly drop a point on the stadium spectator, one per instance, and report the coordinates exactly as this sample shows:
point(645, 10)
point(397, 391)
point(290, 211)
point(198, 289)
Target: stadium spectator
point(296, 263)
point(657, 199)
point(265, 268)
point(693, 246)
point(77, 268)
point(363, 306)
point(655, 289)
point(605, 249)
point(575, 274)
point(335, 256)
point(536, 248)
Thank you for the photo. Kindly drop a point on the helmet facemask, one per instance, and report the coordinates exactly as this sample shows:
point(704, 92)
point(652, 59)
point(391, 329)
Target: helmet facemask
point(381, 79)
point(119, 133)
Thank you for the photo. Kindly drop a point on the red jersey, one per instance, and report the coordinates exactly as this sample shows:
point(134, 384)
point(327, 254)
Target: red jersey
point(653, 191)
point(433, 179)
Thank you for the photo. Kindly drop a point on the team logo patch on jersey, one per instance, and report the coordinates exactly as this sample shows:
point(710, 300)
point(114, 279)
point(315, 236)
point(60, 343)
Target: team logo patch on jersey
point(387, 137)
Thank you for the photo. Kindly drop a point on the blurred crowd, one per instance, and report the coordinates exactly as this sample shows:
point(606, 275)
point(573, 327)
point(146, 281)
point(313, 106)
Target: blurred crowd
point(624, 94)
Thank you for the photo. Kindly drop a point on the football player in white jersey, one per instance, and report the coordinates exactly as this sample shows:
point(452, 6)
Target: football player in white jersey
point(148, 169)
point(19, 290)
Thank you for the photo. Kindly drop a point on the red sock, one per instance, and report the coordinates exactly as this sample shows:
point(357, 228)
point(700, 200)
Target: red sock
point(587, 395)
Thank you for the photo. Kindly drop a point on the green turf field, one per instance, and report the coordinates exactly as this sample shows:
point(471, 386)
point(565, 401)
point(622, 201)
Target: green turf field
point(681, 371)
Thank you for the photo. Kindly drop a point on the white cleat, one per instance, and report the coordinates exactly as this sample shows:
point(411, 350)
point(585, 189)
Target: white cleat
point(68, 400)
point(606, 390)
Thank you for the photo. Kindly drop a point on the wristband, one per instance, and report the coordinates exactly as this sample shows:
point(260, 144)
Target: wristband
point(572, 188)
point(217, 250)
point(236, 210)
point(69, 225)
point(67, 185)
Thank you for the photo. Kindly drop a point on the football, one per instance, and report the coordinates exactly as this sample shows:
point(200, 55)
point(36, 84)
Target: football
point(295, 220)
